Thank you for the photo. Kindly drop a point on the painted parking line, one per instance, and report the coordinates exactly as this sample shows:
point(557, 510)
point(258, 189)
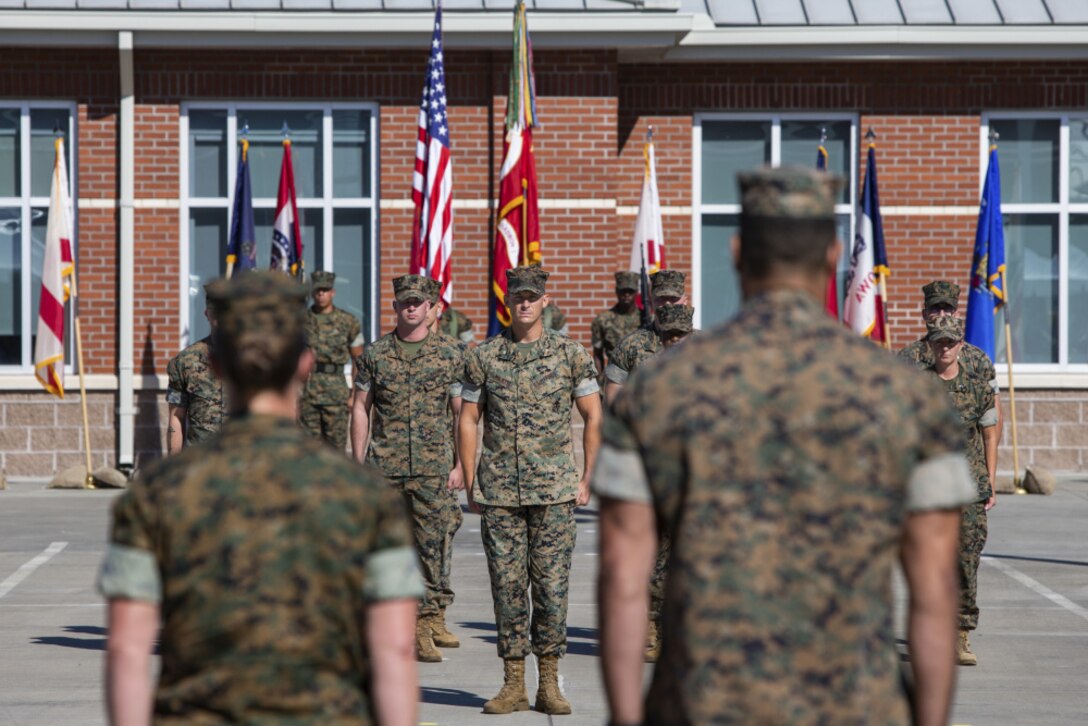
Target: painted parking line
point(25, 571)
point(1038, 587)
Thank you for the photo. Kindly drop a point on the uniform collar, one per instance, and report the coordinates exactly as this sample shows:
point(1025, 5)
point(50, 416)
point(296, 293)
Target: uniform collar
point(543, 348)
point(429, 347)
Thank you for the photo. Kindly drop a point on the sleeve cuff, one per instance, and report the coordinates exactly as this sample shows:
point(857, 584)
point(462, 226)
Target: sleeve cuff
point(620, 474)
point(362, 385)
point(988, 419)
point(943, 482)
point(129, 573)
point(359, 341)
point(392, 574)
point(470, 393)
point(456, 389)
point(615, 374)
point(174, 397)
point(587, 387)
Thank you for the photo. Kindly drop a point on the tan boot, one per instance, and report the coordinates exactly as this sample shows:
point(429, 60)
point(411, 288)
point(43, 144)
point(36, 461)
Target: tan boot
point(549, 699)
point(443, 638)
point(964, 656)
point(653, 643)
point(511, 696)
point(426, 652)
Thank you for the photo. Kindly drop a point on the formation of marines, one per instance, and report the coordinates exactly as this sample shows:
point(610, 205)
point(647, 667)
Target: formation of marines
point(756, 483)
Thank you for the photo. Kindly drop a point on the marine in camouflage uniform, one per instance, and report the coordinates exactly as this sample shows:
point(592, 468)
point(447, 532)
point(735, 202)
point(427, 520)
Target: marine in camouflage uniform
point(974, 361)
point(527, 483)
point(616, 323)
point(335, 336)
point(667, 288)
point(457, 325)
point(783, 460)
point(194, 393)
point(409, 395)
point(262, 549)
point(974, 400)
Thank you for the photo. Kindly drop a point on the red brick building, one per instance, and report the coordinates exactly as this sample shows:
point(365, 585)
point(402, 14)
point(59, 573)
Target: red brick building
point(153, 95)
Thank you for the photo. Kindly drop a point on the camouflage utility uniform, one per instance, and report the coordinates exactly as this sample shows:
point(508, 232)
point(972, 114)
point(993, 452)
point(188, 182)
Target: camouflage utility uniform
point(457, 325)
point(555, 319)
point(194, 386)
point(973, 360)
point(527, 481)
point(611, 327)
point(632, 351)
point(326, 398)
point(411, 442)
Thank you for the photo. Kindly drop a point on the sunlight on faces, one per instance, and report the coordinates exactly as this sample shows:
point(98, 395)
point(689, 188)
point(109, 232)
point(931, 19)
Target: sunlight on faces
point(669, 338)
point(946, 351)
point(413, 311)
point(526, 307)
point(937, 311)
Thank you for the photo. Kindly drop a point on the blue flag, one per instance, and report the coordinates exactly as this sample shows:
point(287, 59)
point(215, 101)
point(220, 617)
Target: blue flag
point(987, 291)
point(242, 246)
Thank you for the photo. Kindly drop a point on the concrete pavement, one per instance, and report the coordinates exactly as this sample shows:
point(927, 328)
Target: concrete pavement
point(1032, 643)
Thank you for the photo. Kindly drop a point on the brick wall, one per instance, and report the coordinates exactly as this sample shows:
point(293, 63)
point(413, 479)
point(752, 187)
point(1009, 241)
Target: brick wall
point(594, 112)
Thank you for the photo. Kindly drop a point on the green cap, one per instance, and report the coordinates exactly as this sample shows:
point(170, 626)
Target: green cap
point(265, 301)
point(674, 318)
point(322, 280)
point(530, 278)
point(789, 192)
point(411, 287)
point(941, 291)
point(667, 283)
point(627, 281)
point(945, 327)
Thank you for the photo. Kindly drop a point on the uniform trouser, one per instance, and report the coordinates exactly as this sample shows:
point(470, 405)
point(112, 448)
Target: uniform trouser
point(328, 422)
point(436, 516)
point(973, 530)
point(530, 546)
point(657, 579)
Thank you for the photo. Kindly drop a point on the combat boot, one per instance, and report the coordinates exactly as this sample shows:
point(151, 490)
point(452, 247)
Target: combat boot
point(653, 643)
point(511, 696)
point(549, 699)
point(426, 652)
point(964, 656)
point(443, 638)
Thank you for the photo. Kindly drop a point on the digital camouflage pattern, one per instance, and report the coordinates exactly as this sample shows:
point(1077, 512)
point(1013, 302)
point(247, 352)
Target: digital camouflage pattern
point(612, 326)
point(674, 318)
point(457, 325)
point(436, 516)
point(972, 360)
point(266, 543)
point(789, 193)
point(412, 287)
point(532, 279)
point(555, 319)
point(627, 280)
point(261, 303)
point(326, 397)
point(667, 283)
point(941, 292)
point(973, 531)
point(783, 444)
point(322, 280)
point(530, 545)
point(525, 396)
point(412, 430)
point(633, 351)
point(194, 386)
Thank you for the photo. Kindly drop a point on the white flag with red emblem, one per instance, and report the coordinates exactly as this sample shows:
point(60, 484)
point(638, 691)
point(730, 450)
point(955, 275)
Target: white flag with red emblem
point(57, 268)
point(649, 240)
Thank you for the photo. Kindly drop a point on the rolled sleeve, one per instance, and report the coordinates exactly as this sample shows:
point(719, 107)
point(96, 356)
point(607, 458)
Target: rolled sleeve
point(620, 474)
point(988, 419)
point(174, 397)
point(364, 377)
point(615, 374)
point(470, 392)
point(455, 389)
point(587, 387)
point(392, 574)
point(943, 482)
point(129, 573)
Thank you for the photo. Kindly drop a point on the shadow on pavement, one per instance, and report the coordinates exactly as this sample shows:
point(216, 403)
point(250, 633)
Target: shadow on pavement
point(1075, 563)
point(451, 697)
point(98, 643)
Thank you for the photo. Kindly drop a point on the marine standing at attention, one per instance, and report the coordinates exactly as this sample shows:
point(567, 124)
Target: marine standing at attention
point(616, 323)
point(409, 384)
point(194, 397)
point(791, 469)
point(282, 572)
point(335, 337)
point(522, 383)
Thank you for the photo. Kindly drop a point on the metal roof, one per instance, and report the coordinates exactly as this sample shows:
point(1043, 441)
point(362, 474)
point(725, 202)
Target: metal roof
point(727, 13)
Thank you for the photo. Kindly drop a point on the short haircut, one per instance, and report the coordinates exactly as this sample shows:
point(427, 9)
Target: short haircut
point(770, 242)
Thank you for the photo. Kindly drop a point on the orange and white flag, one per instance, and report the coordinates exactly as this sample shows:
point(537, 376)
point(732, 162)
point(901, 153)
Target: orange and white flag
point(648, 242)
point(57, 269)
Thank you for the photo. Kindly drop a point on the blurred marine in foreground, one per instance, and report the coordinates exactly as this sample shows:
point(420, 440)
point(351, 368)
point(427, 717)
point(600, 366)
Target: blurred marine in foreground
point(791, 463)
point(283, 573)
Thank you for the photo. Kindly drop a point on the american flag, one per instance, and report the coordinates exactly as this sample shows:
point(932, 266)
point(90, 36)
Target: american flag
point(432, 181)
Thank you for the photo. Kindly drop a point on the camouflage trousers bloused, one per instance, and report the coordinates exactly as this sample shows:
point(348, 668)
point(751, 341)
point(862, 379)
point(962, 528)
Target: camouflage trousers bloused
point(973, 531)
point(328, 422)
point(436, 516)
point(657, 579)
point(530, 546)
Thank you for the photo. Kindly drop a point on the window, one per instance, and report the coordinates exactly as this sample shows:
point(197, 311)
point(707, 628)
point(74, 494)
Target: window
point(334, 159)
point(26, 170)
point(725, 145)
point(1044, 201)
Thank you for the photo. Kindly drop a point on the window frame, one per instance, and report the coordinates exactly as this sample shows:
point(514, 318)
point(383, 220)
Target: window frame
point(25, 202)
point(327, 202)
point(1062, 208)
point(699, 210)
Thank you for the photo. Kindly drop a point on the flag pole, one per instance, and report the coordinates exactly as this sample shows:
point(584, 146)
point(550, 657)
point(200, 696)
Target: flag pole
point(88, 480)
point(881, 275)
point(525, 221)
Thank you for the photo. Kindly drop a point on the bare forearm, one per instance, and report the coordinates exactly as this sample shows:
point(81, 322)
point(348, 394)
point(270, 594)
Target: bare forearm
point(598, 359)
point(591, 441)
point(611, 390)
point(175, 430)
point(932, 642)
point(455, 408)
point(394, 684)
point(360, 426)
point(990, 439)
point(128, 687)
point(466, 445)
